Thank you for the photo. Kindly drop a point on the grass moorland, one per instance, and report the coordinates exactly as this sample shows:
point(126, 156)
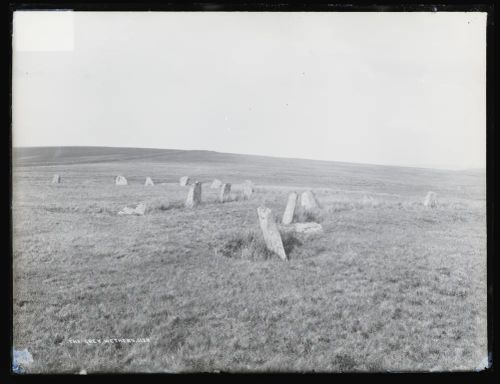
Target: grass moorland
point(388, 285)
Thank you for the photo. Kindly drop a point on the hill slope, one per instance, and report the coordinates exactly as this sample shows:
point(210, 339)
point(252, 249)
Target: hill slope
point(205, 165)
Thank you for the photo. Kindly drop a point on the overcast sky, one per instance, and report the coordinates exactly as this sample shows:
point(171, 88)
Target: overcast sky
point(382, 88)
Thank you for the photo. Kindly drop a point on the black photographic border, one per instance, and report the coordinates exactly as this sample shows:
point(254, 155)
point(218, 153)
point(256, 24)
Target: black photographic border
point(262, 6)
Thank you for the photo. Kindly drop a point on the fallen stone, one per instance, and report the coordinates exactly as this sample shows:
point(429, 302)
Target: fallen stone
point(184, 180)
point(225, 191)
point(270, 231)
point(290, 208)
point(126, 211)
point(216, 184)
point(149, 181)
point(307, 228)
point(138, 211)
point(120, 180)
point(194, 195)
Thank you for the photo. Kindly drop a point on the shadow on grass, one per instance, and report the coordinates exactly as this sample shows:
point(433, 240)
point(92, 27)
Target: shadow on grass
point(290, 242)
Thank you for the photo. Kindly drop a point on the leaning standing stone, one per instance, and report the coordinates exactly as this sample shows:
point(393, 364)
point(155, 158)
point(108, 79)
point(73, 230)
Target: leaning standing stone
point(308, 201)
point(270, 232)
point(120, 180)
point(225, 190)
point(194, 195)
point(184, 181)
point(149, 181)
point(56, 179)
point(290, 208)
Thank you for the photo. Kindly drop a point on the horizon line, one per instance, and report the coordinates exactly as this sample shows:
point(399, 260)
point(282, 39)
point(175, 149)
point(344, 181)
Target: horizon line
point(258, 155)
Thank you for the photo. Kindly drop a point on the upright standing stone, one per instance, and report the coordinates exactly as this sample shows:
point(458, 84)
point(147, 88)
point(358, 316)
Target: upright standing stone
point(184, 181)
point(247, 189)
point(120, 180)
point(247, 192)
point(225, 190)
point(270, 232)
point(430, 200)
point(368, 200)
point(308, 201)
point(149, 181)
point(56, 179)
point(216, 184)
point(194, 195)
point(290, 208)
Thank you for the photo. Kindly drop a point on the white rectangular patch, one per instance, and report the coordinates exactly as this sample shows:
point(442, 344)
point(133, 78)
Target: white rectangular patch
point(42, 31)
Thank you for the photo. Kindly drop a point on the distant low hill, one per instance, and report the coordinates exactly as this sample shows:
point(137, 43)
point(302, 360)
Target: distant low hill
point(270, 170)
point(32, 156)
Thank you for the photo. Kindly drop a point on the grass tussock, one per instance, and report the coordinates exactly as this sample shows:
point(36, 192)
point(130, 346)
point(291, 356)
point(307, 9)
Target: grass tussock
point(303, 216)
point(249, 245)
point(238, 196)
point(245, 245)
point(160, 205)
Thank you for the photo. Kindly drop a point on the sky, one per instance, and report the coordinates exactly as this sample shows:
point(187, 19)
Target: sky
point(380, 88)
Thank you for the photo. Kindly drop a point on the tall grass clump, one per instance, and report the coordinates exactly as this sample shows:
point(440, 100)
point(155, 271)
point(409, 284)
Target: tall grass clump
point(249, 245)
point(246, 245)
point(303, 216)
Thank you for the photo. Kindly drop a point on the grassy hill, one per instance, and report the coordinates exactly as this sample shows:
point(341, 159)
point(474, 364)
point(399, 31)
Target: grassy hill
point(388, 285)
point(205, 165)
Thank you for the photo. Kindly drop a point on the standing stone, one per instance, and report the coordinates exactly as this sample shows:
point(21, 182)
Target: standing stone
point(56, 179)
point(247, 189)
point(290, 208)
point(308, 201)
point(225, 190)
point(184, 181)
point(368, 200)
point(216, 184)
point(430, 200)
point(270, 232)
point(247, 192)
point(194, 195)
point(120, 180)
point(149, 181)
